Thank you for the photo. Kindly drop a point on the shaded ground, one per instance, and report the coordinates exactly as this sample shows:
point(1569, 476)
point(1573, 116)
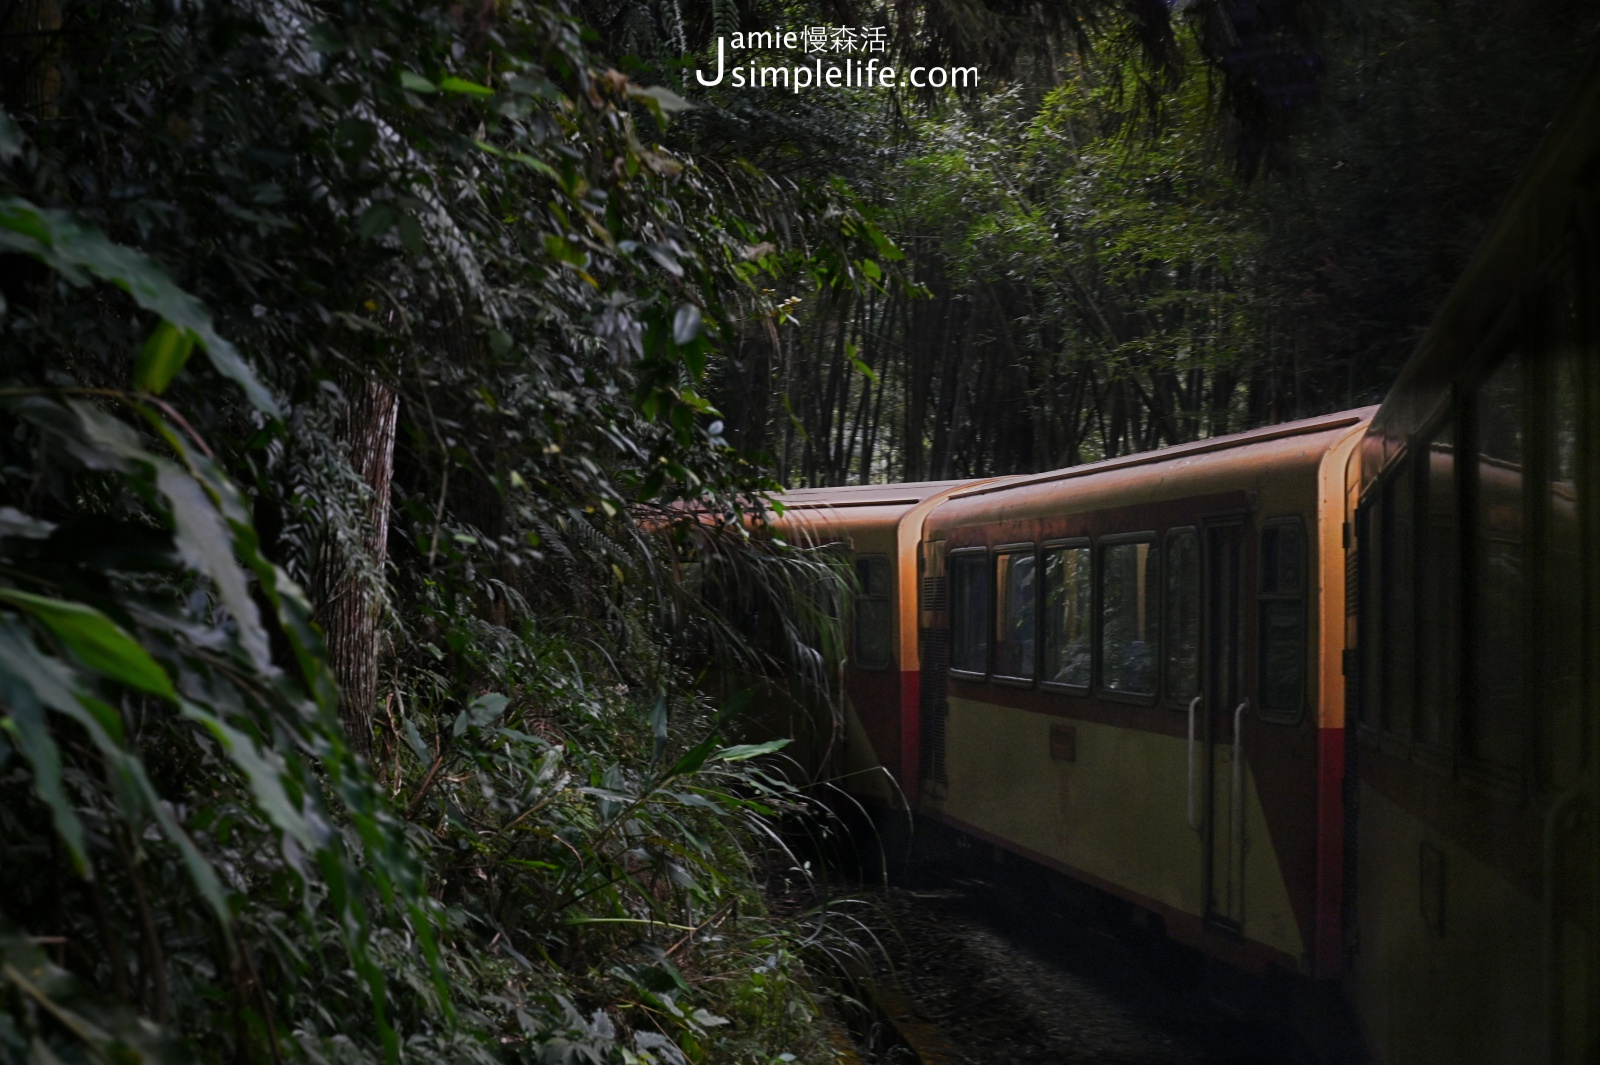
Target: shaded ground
point(1030, 970)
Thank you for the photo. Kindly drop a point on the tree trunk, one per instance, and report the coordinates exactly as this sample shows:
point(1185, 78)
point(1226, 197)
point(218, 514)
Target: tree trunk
point(349, 597)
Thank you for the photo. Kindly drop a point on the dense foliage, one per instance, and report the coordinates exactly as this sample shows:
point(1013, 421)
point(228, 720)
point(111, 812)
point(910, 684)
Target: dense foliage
point(352, 363)
point(390, 393)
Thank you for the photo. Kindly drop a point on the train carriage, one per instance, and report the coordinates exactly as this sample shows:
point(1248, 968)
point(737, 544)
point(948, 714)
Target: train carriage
point(1473, 923)
point(1140, 672)
point(873, 757)
point(1136, 691)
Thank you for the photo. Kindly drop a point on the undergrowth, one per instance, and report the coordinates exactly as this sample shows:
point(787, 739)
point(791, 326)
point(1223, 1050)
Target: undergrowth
point(537, 838)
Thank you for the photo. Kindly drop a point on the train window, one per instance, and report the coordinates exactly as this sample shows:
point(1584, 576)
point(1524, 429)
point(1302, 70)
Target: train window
point(969, 612)
point(1399, 601)
point(1016, 613)
point(1067, 592)
point(1282, 600)
point(1182, 665)
point(874, 635)
point(1494, 719)
point(1437, 584)
point(1563, 619)
point(1129, 613)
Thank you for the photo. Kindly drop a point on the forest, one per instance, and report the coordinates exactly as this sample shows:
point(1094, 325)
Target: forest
point(392, 401)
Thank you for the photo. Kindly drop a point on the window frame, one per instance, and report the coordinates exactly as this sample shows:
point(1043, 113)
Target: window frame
point(1082, 691)
point(1097, 575)
point(1437, 756)
point(954, 556)
point(1026, 548)
point(1171, 701)
point(1509, 340)
point(855, 616)
point(1263, 597)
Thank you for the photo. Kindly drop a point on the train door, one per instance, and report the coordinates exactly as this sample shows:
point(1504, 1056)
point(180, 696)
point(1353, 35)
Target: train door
point(1223, 699)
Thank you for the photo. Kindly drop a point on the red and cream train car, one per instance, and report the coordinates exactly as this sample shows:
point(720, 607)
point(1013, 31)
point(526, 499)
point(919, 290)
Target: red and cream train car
point(879, 527)
point(1136, 672)
point(1125, 678)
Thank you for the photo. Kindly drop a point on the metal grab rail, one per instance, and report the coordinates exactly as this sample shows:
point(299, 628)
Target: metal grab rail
point(1238, 777)
point(1194, 816)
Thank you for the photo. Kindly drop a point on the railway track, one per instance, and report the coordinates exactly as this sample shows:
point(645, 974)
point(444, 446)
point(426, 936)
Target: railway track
point(1014, 970)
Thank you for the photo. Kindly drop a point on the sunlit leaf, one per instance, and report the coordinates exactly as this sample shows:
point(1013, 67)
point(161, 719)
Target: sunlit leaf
point(162, 356)
point(744, 751)
point(464, 87)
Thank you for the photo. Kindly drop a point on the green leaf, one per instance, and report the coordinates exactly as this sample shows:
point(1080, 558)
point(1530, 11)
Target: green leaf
point(464, 87)
point(416, 82)
point(378, 220)
point(871, 269)
point(414, 739)
point(695, 757)
point(865, 370)
point(745, 751)
point(78, 251)
point(262, 772)
point(20, 665)
point(486, 708)
point(96, 641)
point(203, 540)
point(658, 729)
point(162, 356)
point(563, 250)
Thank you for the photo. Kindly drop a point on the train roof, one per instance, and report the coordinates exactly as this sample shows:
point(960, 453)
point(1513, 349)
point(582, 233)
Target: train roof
point(865, 495)
point(1509, 262)
point(1231, 442)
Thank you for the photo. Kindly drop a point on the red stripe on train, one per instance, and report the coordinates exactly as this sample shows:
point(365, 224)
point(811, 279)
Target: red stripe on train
point(1328, 931)
point(910, 733)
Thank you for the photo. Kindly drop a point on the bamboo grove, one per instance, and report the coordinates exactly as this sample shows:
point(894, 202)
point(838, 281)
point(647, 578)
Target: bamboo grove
point(1116, 248)
point(391, 394)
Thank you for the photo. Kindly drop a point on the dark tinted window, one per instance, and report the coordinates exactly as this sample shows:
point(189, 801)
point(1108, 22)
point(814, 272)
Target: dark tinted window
point(969, 613)
point(1564, 618)
point(1496, 704)
point(1129, 594)
point(1067, 617)
point(1015, 614)
point(1399, 601)
point(874, 615)
point(1183, 615)
point(1438, 582)
point(1282, 599)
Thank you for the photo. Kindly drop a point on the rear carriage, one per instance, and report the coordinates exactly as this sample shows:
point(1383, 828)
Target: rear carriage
point(1476, 905)
point(870, 750)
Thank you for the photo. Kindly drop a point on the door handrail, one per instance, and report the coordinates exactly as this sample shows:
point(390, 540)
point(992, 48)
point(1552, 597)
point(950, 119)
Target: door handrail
point(1194, 814)
point(1238, 776)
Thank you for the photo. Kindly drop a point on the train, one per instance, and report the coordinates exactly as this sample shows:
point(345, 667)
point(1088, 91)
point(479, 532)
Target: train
point(1322, 698)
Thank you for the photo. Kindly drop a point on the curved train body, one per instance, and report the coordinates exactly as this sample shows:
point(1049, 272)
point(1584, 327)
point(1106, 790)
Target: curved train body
point(1322, 696)
point(1140, 672)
